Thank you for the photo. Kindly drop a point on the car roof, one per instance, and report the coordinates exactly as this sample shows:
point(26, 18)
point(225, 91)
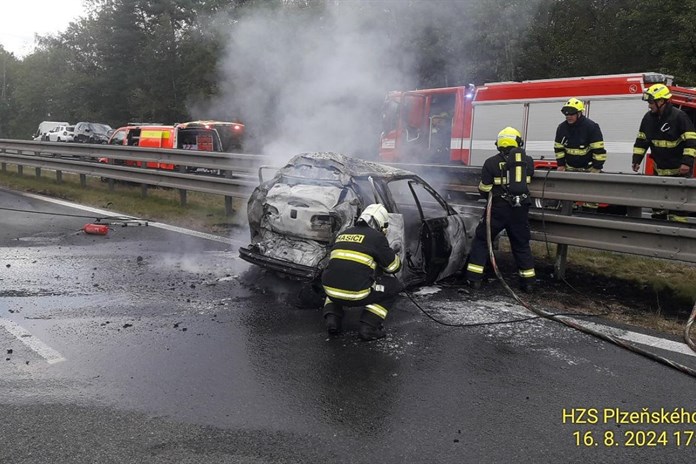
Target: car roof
point(353, 167)
point(206, 122)
point(147, 127)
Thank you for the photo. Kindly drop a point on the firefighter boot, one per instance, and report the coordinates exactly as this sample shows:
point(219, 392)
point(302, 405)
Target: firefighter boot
point(677, 218)
point(527, 285)
point(369, 332)
point(333, 324)
point(659, 214)
point(474, 284)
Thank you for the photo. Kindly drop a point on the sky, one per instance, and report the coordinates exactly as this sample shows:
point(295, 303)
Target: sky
point(21, 19)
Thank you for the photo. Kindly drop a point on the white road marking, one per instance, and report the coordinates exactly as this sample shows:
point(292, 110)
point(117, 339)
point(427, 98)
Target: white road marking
point(49, 354)
point(482, 311)
point(181, 230)
point(639, 338)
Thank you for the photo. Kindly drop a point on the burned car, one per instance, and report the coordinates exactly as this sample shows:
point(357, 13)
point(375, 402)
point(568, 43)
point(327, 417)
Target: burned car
point(295, 217)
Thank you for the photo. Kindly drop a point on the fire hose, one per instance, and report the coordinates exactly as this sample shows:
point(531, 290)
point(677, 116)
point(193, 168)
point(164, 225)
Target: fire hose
point(687, 329)
point(577, 326)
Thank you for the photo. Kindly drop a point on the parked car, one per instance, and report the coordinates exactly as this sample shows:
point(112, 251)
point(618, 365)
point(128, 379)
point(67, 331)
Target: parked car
point(46, 126)
point(92, 132)
point(295, 217)
point(62, 134)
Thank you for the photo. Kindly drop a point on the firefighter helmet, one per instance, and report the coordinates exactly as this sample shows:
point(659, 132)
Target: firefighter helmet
point(375, 216)
point(657, 92)
point(573, 106)
point(509, 137)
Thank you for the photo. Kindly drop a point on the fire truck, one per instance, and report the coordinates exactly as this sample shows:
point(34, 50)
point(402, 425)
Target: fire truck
point(459, 125)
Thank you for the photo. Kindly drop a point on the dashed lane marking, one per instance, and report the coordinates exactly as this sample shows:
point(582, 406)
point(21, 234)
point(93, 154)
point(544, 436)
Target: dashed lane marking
point(23, 335)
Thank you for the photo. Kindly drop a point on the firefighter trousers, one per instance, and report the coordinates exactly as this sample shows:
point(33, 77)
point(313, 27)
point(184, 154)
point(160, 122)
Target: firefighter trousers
point(515, 221)
point(669, 214)
point(584, 204)
point(376, 305)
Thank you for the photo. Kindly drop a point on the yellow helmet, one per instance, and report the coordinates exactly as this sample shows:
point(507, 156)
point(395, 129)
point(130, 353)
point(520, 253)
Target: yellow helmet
point(509, 137)
point(657, 92)
point(573, 106)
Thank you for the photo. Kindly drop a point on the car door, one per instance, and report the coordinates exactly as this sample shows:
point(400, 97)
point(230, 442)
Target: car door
point(435, 237)
point(370, 190)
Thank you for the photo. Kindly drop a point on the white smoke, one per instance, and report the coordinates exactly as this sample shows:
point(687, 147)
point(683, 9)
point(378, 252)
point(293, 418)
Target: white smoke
point(301, 81)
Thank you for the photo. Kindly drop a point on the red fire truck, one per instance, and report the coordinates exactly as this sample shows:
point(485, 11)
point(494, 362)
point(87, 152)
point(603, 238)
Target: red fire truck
point(460, 124)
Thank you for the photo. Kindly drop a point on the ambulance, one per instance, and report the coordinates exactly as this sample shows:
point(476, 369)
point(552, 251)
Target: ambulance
point(164, 136)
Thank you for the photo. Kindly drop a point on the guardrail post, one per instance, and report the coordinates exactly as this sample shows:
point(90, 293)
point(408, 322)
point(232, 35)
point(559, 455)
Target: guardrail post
point(143, 190)
point(38, 173)
point(59, 177)
point(20, 169)
point(4, 167)
point(83, 180)
point(229, 210)
point(183, 194)
point(111, 182)
point(559, 266)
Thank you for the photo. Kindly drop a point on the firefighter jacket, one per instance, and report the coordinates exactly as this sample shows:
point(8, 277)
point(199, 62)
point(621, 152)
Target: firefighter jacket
point(357, 254)
point(580, 145)
point(494, 177)
point(670, 137)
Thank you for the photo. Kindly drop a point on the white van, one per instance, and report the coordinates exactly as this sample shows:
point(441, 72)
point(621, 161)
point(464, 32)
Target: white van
point(45, 127)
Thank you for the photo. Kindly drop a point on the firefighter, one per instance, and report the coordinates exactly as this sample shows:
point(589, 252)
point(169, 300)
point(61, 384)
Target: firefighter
point(579, 144)
point(359, 273)
point(440, 136)
point(669, 134)
point(506, 176)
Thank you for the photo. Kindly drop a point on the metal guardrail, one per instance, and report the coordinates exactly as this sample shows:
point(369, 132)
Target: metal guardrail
point(633, 190)
point(633, 235)
point(83, 159)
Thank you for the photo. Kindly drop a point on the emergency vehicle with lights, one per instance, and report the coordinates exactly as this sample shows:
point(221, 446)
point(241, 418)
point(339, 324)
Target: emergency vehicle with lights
point(473, 116)
point(231, 133)
point(164, 136)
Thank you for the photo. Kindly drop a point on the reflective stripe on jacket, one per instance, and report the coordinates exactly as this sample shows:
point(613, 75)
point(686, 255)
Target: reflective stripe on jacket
point(670, 137)
point(355, 256)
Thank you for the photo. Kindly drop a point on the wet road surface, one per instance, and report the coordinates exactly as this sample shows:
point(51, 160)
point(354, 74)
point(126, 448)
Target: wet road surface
point(151, 345)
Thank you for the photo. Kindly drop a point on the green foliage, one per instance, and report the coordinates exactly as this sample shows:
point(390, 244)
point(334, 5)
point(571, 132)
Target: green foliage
point(150, 59)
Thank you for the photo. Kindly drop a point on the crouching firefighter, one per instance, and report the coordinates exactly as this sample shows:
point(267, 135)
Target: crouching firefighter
point(505, 176)
point(358, 274)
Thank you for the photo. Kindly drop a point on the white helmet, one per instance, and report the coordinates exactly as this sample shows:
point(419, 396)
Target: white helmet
point(375, 216)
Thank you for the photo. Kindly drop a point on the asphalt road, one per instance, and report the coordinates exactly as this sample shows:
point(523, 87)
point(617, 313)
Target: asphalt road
point(153, 345)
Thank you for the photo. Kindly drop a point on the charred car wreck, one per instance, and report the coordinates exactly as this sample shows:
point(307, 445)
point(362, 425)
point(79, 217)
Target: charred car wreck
point(295, 216)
